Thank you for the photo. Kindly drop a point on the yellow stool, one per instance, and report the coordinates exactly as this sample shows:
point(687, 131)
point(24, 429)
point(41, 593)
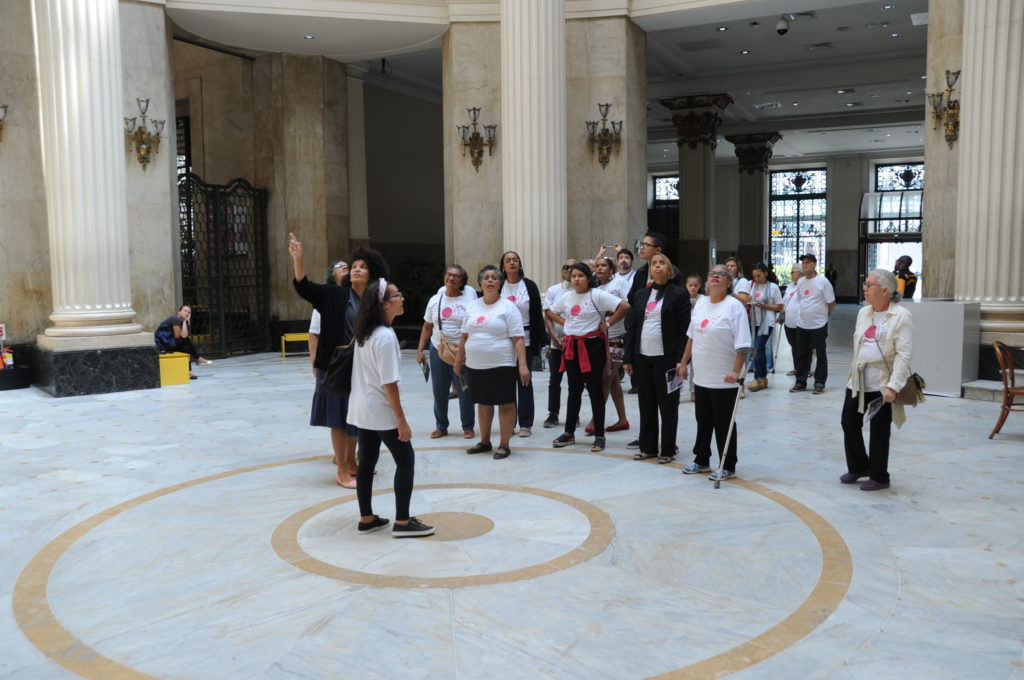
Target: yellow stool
point(173, 369)
point(292, 337)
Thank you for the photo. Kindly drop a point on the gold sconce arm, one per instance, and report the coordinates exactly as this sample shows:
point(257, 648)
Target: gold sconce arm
point(946, 110)
point(472, 139)
point(604, 140)
point(138, 135)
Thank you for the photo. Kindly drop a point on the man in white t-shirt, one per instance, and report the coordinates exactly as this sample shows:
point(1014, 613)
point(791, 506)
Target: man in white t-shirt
point(557, 335)
point(817, 301)
point(624, 260)
point(791, 315)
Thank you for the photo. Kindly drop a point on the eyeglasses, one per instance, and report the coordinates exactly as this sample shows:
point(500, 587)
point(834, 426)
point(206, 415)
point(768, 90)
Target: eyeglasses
point(870, 285)
point(511, 259)
point(399, 295)
point(648, 244)
point(566, 267)
point(453, 275)
point(718, 275)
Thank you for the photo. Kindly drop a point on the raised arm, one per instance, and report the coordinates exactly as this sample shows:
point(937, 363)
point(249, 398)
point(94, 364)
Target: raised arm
point(295, 248)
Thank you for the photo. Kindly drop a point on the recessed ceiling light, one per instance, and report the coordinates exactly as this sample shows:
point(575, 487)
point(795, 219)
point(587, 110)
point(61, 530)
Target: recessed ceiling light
point(796, 103)
point(744, 51)
point(308, 37)
point(841, 91)
point(887, 6)
point(895, 35)
point(909, 92)
point(923, 77)
point(722, 28)
point(875, 96)
point(888, 134)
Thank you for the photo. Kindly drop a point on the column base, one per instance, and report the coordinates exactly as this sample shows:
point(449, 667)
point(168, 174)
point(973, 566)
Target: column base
point(696, 255)
point(67, 367)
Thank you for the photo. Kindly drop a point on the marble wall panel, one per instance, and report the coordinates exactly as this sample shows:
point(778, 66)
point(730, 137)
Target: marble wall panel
point(96, 371)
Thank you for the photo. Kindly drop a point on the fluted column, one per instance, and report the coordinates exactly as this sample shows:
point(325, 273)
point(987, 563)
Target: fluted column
point(532, 134)
point(753, 151)
point(78, 50)
point(990, 232)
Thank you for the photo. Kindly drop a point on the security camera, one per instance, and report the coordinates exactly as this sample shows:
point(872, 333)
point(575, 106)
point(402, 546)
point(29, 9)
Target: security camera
point(782, 26)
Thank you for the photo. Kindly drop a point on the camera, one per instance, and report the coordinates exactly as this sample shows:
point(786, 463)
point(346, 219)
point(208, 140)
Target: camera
point(782, 26)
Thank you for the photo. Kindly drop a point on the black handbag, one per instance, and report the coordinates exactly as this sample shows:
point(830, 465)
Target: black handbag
point(337, 378)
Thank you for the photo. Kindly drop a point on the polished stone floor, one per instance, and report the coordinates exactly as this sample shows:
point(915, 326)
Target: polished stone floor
point(196, 531)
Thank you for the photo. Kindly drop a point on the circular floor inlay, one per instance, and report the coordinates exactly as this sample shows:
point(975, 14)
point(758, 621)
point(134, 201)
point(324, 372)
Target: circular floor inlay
point(456, 526)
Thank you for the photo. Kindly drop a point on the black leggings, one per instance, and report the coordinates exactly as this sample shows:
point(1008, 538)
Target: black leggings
point(593, 381)
point(713, 411)
point(369, 453)
point(182, 345)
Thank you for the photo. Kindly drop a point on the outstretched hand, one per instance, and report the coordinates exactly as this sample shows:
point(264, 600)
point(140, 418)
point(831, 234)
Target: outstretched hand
point(294, 246)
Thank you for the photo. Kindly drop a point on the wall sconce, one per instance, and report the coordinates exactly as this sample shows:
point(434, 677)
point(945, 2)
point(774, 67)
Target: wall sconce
point(946, 110)
point(140, 137)
point(3, 114)
point(474, 141)
point(604, 138)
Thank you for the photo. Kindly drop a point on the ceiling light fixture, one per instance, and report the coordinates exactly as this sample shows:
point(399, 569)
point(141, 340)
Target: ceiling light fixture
point(722, 28)
point(895, 35)
point(744, 51)
point(796, 103)
point(887, 6)
point(308, 37)
point(841, 91)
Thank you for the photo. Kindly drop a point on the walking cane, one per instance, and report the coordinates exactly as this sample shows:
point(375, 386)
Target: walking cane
point(732, 423)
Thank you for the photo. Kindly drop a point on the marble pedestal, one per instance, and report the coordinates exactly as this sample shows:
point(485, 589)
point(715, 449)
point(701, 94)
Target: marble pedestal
point(68, 367)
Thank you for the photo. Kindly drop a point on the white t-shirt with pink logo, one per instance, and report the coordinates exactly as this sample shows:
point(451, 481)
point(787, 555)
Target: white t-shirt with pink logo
point(816, 295)
point(518, 295)
point(619, 287)
point(651, 342)
point(766, 293)
point(447, 314)
point(718, 332)
point(870, 351)
point(791, 306)
point(490, 329)
point(578, 309)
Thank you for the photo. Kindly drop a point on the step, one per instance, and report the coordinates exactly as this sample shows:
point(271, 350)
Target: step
point(983, 390)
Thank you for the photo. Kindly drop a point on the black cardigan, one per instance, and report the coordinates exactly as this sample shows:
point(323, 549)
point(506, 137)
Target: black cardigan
point(333, 303)
point(675, 320)
point(538, 332)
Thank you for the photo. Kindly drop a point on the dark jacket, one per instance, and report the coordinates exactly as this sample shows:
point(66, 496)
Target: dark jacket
point(640, 281)
point(675, 319)
point(538, 333)
point(336, 320)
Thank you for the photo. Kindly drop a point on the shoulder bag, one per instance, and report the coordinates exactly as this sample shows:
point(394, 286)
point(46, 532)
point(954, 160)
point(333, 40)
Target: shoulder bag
point(912, 391)
point(446, 350)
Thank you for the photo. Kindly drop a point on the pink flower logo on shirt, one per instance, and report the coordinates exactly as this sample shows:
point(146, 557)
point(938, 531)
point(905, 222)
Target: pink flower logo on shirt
point(757, 296)
point(480, 319)
point(575, 311)
point(870, 333)
point(807, 291)
point(511, 298)
point(704, 324)
point(652, 305)
point(446, 313)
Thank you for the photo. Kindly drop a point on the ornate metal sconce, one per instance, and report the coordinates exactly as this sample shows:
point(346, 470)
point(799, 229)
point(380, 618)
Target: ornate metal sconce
point(946, 110)
point(474, 141)
point(140, 137)
point(604, 138)
point(3, 114)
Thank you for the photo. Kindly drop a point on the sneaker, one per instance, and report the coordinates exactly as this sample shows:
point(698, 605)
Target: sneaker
point(818, 388)
point(552, 421)
point(758, 384)
point(635, 444)
point(852, 477)
point(694, 469)
point(564, 439)
point(373, 525)
point(525, 431)
point(872, 485)
point(798, 388)
point(725, 474)
point(413, 527)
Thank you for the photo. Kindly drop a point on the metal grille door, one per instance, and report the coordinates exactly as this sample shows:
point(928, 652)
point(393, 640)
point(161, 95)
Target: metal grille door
point(224, 265)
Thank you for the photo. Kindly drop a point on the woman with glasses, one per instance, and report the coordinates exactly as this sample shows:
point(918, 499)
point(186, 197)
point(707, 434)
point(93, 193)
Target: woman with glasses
point(442, 330)
point(883, 342)
point(719, 339)
point(336, 271)
point(585, 354)
point(337, 306)
point(765, 301)
point(654, 346)
point(650, 245)
point(525, 296)
point(492, 357)
point(376, 409)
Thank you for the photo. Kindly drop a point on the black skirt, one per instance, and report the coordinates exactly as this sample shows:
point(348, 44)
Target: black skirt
point(492, 386)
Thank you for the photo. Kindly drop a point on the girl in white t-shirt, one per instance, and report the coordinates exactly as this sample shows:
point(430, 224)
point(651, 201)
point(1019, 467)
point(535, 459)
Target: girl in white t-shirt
point(492, 356)
point(719, 339)
point(581, 311)
point(610, 283)
point(765, 302)
point(375, 407)
point(443, 318)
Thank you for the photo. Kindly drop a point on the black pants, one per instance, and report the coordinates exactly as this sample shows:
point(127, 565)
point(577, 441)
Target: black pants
point(182, 345)
point(791, 339)
point(405, 460)
point(713, 411)
point(554, 381)
point(655, 400)
point(807, 340)
point(593, 381)
point(876, 459)
point(524, 398)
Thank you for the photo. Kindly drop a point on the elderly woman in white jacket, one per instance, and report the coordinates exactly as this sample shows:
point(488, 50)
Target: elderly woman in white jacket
point(883, 341)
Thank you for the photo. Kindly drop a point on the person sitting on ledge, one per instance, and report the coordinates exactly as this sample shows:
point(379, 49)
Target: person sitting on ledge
point(172, 335)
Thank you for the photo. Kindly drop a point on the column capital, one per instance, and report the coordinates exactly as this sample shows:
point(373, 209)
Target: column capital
point(697, 117)
point(754, 150)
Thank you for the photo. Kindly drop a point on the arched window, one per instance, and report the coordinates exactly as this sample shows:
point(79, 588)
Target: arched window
point(798, 218)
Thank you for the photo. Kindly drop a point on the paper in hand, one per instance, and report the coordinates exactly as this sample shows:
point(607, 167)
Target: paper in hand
point(672, 380)
point(426, 371)
point(872, 409)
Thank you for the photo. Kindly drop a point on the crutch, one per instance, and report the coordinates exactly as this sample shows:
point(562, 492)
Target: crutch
point(732, 424)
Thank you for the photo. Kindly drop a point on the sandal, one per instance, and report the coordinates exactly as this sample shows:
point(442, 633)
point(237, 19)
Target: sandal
point(644, 456)
point(564, 439)
point(479, 448)
point(598, 444)
point(662, 460)
point(502, 452)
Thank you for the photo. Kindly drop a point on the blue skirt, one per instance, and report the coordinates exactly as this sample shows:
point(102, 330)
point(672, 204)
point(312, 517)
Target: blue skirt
point(329, 409)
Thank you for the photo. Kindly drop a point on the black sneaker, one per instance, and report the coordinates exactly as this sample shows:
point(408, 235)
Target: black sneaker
point(373, 525)
point(552, 421)
point(633, 445)
point(413, 528)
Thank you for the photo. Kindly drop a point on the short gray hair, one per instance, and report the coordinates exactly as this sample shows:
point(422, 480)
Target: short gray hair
point(887, 280)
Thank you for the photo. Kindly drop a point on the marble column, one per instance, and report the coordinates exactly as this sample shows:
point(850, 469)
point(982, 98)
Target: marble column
point(532, 134)
point(95, 345)
point(359, 225)
point(696, 118)
point(990, 236)
point(753, 151)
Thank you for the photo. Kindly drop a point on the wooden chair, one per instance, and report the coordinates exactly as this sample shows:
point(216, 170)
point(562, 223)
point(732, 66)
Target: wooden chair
point(1010, 389)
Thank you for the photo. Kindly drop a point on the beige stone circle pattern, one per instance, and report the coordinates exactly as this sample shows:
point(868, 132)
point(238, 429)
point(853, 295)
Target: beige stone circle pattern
point(39, 623)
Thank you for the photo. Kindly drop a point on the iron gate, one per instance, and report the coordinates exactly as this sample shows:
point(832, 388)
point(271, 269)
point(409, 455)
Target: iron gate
point(224, 268)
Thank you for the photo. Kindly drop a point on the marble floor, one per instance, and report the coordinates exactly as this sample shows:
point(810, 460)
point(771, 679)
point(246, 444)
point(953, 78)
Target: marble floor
point(196, 531)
